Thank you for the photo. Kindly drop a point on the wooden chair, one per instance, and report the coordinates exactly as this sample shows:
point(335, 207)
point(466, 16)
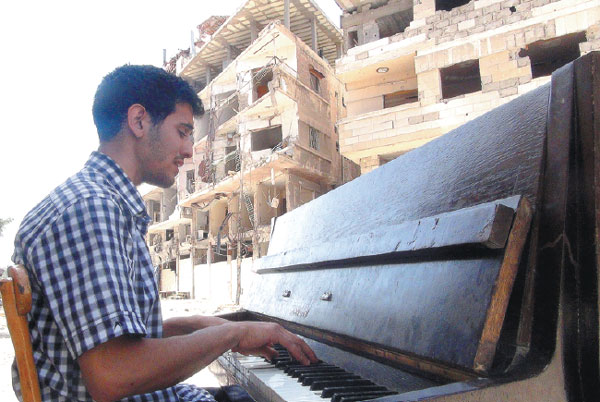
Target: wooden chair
point(16, 299)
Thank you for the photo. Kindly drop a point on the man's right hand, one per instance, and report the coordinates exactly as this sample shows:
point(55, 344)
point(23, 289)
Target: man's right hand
point(258, 338)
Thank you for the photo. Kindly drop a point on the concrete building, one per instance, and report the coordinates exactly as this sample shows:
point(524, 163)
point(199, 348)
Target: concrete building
point(414, 70)
point(267, 143)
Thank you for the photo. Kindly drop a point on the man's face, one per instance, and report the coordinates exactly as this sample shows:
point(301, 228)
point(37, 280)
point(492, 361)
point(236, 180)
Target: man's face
point(168, 144)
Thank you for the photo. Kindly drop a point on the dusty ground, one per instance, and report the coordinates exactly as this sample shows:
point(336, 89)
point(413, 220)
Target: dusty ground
point(171, 308)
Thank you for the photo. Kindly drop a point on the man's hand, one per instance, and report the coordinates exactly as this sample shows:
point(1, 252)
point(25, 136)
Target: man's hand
point(257, 338)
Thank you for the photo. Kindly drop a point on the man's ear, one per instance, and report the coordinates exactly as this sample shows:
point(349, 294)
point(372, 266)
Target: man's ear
point(138, 120)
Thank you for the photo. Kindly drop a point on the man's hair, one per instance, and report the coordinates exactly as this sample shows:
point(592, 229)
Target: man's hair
point(149, 86)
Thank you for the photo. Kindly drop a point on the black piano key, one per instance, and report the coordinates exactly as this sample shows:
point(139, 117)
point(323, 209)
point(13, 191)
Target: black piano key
point(298, 365)
point(319, 385)
point(293, 368)
point(296, 372)
point(364, 397)
point(284, 363)
point(328, 392)
point(309, 379)
point(280, 360)
point(337, 397)
point(328, 373)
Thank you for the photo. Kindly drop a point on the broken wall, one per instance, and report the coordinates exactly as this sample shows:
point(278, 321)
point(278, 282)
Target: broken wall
point(493, 42)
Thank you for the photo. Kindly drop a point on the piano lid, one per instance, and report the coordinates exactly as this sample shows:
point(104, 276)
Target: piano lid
point(413, 257)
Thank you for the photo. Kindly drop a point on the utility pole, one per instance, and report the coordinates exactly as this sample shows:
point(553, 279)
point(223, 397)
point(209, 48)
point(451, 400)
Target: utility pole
point(238, 291)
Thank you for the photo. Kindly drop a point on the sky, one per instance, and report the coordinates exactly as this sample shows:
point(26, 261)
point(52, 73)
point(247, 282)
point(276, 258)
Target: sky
point(54, 55)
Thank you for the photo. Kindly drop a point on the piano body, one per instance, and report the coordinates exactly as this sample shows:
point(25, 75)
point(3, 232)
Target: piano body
point(465, 270)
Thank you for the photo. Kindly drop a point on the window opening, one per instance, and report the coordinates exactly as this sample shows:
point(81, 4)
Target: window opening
point(313, 138)
point(448, 5)
point(461, 78)
point(400, 98)
point(231, 163)
point(315, 80)
point(392, 24)
point(260, 82)
point(266, 139)
point(189, 181)
point(548, 55)
point(352, 39)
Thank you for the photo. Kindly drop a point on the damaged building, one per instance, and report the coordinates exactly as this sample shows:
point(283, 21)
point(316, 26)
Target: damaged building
point(414, 70)
point(267, 144)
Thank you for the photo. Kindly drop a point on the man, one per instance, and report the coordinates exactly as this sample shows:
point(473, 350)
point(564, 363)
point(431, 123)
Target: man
point(95, 322)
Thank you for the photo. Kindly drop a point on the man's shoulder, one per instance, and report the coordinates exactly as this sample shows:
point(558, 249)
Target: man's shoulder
point(85, 187)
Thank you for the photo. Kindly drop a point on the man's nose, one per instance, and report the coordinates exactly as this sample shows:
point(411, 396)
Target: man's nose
point(187, 148)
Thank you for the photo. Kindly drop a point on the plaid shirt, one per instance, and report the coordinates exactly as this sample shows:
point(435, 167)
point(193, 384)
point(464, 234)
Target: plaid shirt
point(91, 276)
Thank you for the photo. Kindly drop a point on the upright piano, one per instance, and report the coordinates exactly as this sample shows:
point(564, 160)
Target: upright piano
point(464, 270)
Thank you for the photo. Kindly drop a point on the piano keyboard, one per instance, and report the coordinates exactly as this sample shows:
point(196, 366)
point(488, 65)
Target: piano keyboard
point(284, 379)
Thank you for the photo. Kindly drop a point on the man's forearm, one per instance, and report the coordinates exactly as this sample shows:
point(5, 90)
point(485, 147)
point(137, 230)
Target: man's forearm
point(129, 365)
point(187, 325)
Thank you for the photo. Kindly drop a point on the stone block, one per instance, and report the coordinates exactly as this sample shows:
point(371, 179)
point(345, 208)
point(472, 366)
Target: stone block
point(524, 79)
point(525, 6)
point(492, 8)
point(511, 19)
point(523, 61)
point(442, 24)
point(476, 29)
point(475, 13)
point(486, 79)
point(511, 82)
point(433, 18)
point(441, 59)
point(494, 59)
point(466, 24)
point(505, 12)
point(415, 120)
point(494, 24)
point(493, 86)
point(459, 18)
point(430, 116)
point(509, 91)
point(539, 32)
point(487, 18)
point(520, 39)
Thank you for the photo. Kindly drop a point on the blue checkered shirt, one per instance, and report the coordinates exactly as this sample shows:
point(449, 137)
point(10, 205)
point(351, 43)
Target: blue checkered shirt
point(91, 276)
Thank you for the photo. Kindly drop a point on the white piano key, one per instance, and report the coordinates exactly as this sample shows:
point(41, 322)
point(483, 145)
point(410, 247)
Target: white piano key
point(286, 387)
point(273, 381)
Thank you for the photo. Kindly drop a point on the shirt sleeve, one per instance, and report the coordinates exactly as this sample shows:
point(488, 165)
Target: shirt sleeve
point(85, 265)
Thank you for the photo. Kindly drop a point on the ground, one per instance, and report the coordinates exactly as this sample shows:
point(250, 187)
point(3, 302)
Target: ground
point(171, 308)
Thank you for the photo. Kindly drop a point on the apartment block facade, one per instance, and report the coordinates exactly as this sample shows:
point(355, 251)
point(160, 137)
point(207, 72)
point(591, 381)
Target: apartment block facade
point(414, 70)
point(267, 144)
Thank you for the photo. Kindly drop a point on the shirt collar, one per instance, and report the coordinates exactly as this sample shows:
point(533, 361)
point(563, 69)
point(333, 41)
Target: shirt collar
point(115, 175)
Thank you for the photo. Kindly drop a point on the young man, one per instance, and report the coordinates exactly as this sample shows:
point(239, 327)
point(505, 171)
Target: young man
point(95, 322)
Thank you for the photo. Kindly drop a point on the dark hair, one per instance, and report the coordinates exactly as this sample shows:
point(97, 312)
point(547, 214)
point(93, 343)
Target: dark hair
point(152, 87)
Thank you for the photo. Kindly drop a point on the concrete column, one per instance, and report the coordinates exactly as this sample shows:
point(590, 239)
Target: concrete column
point(313, 33)
point(208, 75)
point(286, 13)
point(229, 58)
point(253, 31)
point(192, 44)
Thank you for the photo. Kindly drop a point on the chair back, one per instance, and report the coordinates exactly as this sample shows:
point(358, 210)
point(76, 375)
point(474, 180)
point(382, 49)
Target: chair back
point(16, 299)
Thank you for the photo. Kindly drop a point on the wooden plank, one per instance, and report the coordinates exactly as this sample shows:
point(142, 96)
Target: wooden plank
point(16, 300)
point(503, 288)
point(486, 225)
